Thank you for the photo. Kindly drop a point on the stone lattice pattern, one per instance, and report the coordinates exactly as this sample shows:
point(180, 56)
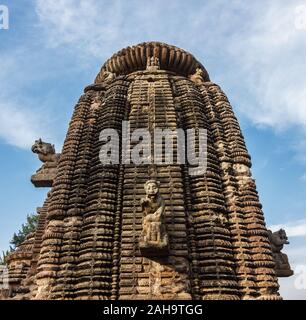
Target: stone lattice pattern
point(87, 246)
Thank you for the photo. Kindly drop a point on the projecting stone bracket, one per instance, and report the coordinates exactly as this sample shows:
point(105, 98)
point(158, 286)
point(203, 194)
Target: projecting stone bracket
point(44, 177)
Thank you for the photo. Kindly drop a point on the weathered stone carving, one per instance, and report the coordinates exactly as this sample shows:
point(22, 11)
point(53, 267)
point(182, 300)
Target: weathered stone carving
point(197, 77)
point(278, 239)
point(108, 76)
point(153, 64)
point(46, 153)
point(154, 238)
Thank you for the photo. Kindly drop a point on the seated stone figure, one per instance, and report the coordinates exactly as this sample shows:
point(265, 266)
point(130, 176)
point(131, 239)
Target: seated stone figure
point(197, 77)
point(278, 239)
point(153, 63)
point(153, 238)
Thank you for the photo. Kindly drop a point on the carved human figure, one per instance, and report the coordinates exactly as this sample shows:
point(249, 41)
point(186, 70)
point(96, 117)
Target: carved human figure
point(153, 226)
point(153, 63)
point(197, 77)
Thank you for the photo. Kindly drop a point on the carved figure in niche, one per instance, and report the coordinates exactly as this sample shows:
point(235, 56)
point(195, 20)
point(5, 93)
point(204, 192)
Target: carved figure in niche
point(278, 239)
point(153, 238)
point(153, 63)
point(108, 76)
point(219, 219)
point(197, 77)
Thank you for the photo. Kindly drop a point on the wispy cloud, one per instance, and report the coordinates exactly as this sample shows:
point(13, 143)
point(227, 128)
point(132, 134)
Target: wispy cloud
point(260, 44)
point(23, 116)
point(293, 228)
point(18, 126)
point(271, 55)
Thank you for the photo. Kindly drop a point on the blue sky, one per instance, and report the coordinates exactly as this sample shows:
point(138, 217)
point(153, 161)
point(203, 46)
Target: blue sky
point(255, 52)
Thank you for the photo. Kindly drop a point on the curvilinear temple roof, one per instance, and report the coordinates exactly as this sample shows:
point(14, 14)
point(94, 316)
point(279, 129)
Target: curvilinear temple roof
point(128, 231)
point(135, 58)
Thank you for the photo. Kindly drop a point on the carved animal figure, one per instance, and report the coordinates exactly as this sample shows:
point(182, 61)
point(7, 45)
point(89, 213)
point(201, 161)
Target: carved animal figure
point(278, 239)
point(45, 151)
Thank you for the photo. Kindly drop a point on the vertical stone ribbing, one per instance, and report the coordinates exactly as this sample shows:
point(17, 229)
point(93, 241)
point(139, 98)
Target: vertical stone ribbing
point(118, 216)
point(223, 133)
point(191, 239)
point(42, 216)
point(49, 262)
point(95, 262)
point(65, 286)
point(266, 285)
point(214, 249)
point(30, 282)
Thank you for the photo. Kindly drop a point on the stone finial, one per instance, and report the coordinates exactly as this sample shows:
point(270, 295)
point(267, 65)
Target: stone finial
point(278, 239)
point(154, 238)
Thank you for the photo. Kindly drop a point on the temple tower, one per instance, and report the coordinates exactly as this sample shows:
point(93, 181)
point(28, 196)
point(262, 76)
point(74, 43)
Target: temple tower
point(206, 237)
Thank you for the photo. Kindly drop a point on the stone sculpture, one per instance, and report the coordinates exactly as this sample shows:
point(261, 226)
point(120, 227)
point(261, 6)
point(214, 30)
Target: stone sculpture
point(153, 63)
point(154, 238)
point(197, 77)
point(46, 153)
point(108, 76)
point(278, 239)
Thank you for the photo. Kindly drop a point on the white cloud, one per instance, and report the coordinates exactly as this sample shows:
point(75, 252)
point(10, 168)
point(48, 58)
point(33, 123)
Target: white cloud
point(289, 291)
point(85, 25)
point(293, 228)
point(271, 54)
point(17, 126)
point(23, 117)
point(260, 44)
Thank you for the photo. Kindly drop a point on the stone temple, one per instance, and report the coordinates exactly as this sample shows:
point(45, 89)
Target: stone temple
point(147, 231)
